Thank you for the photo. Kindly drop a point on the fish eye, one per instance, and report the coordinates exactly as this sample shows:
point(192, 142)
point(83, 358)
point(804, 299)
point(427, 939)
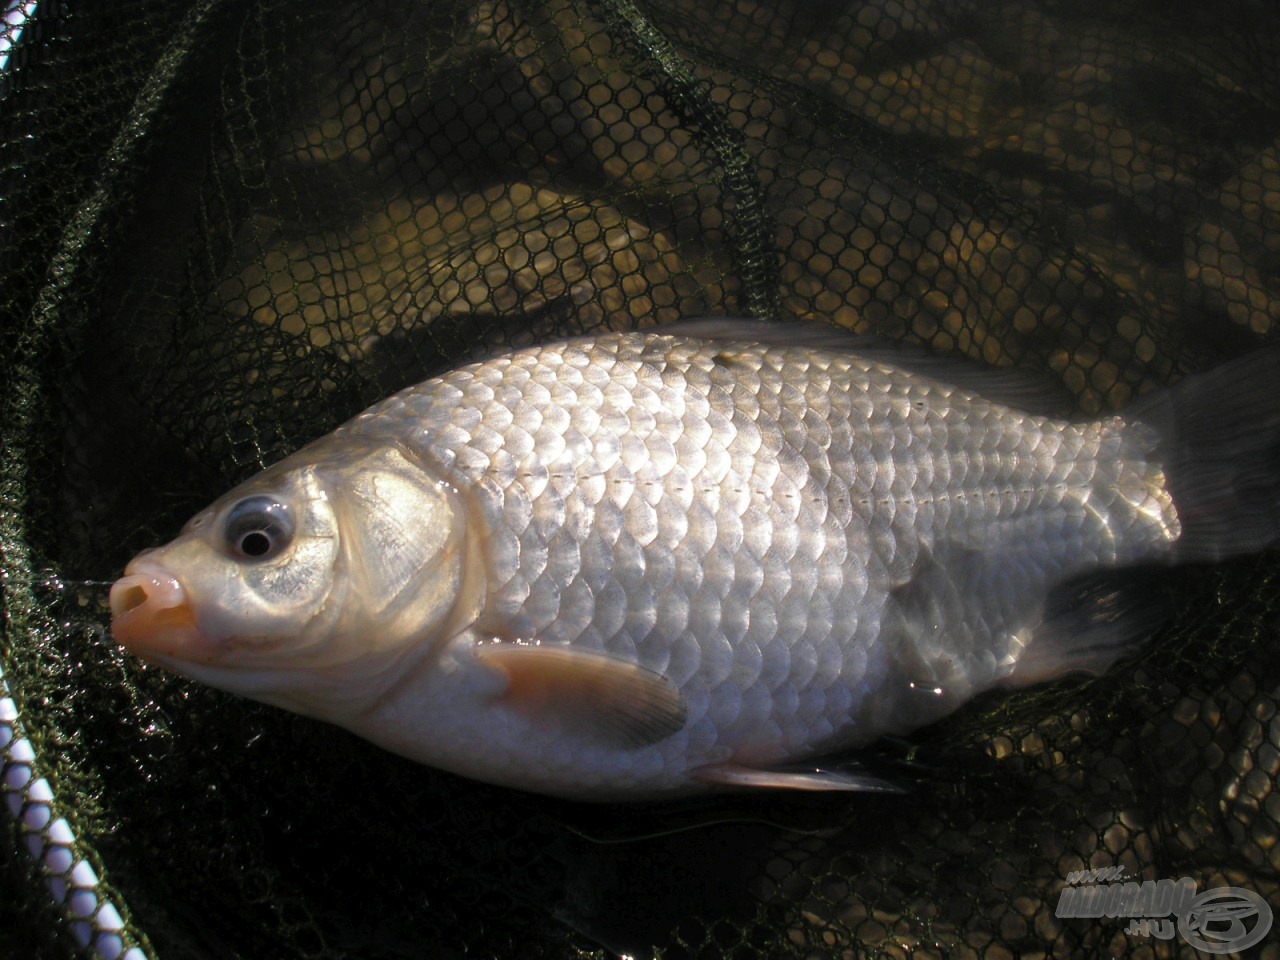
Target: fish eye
point(258, 528)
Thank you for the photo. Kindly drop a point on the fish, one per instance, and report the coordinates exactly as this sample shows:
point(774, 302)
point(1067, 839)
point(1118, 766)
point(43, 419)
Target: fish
point(700, 557)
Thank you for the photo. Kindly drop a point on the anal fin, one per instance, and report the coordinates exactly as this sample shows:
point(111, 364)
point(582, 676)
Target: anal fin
point(811, 778)
point(590, 693)
point(1089, 623)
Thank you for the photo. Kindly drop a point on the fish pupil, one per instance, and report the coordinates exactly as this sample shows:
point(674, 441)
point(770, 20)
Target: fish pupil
point(255, 544)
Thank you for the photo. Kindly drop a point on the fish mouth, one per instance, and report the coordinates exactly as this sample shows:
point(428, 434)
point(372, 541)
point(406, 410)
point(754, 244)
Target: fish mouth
point(151, 614)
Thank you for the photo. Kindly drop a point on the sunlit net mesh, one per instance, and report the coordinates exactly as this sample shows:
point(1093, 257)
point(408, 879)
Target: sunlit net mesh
point(227, 227)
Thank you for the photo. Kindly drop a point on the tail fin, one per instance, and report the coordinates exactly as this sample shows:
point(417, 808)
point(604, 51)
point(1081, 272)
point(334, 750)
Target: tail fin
point(1220, 447)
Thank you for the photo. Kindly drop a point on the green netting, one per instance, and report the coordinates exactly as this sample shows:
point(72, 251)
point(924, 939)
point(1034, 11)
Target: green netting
point(229, 226)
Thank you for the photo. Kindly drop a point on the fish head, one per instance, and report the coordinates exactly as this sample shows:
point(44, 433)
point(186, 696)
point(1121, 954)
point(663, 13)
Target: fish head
point(307, 583)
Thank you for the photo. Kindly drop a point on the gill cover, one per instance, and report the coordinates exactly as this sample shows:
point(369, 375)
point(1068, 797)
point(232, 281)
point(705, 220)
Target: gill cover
point(403, 536)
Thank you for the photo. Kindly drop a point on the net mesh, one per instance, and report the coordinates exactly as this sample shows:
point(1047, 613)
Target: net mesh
point(229, 226)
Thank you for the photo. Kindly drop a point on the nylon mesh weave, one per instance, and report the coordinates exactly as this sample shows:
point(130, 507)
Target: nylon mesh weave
point(230, 226)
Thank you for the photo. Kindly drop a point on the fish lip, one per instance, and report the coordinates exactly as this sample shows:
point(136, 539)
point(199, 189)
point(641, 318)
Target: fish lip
point(151, 614)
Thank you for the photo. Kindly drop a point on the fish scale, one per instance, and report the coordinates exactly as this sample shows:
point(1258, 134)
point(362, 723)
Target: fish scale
point(654, 561)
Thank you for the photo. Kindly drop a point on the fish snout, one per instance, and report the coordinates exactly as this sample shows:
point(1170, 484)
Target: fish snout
point(151, 613)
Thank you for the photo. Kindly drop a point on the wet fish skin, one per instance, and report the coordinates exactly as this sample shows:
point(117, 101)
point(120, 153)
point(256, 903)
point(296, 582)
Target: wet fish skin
point(644, 563)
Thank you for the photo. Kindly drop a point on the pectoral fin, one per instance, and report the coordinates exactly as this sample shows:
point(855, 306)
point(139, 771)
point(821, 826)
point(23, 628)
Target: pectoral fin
point(590, 693)
point(811, 778)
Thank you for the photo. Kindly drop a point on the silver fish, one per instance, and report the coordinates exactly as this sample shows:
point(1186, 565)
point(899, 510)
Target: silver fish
point(637, 564)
